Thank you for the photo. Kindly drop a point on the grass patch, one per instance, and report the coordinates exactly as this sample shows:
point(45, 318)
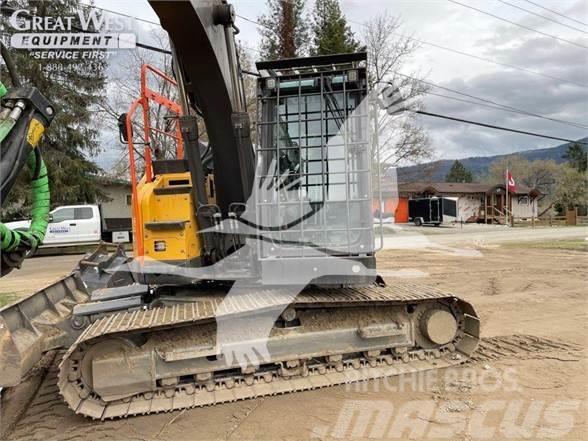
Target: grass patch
point(551, 244)
point(7, 298)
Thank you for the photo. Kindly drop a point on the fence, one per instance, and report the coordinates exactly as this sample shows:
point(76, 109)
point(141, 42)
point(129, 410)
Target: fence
point(554, 221)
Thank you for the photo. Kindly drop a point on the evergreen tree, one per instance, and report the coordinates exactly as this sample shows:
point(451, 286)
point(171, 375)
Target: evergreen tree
point(459, 173)
point(577, 157)
point(284, 33)
point(331, 34)
point(75, 87)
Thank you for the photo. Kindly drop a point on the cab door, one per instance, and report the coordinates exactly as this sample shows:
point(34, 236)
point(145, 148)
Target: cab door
point(62, 226)
point(88, 227)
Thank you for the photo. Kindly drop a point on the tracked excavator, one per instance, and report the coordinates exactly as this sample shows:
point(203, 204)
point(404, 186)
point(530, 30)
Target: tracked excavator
point(254, 265)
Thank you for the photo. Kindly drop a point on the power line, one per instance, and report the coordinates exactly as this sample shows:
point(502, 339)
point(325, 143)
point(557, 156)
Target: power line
point(420, 111)
point(255, 22)
point(490, 106)
point(121, 14)
point(510, 66)
point(498, 63)
point(556, 13)
point(544, 17)
point(491, 126)
point(486, 100)
point(507, 65)
point(153, 48)
point(518, 24)
point(465, 54)
point(138, 44)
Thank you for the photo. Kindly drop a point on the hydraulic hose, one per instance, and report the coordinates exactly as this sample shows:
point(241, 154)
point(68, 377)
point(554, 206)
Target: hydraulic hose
point(10, 66)
point(23, 242)
point(23, 119)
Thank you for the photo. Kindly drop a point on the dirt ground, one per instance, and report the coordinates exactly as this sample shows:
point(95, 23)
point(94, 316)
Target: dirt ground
point(531, 384)
point(35, 274)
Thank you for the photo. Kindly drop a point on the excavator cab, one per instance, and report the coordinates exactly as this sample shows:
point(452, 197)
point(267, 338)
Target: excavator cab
point(310, 205)
point(313, 134)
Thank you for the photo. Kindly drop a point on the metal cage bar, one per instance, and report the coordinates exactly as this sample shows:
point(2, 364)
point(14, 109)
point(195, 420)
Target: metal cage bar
point(330, 115)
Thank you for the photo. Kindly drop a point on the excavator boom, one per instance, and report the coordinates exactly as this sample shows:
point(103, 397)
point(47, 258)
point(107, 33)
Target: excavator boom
point(202, 35)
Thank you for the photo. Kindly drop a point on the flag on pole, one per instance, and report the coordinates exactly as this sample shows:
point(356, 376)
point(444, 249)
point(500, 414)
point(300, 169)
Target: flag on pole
point(510, 182)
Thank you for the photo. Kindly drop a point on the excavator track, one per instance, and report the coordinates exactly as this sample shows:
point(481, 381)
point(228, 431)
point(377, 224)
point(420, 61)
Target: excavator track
point(107, 359)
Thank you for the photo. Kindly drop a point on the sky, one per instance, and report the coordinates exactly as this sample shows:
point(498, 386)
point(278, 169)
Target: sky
point(455, 26)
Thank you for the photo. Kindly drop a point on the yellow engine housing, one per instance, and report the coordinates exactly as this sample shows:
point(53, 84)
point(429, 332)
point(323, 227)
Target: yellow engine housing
point(168, 218)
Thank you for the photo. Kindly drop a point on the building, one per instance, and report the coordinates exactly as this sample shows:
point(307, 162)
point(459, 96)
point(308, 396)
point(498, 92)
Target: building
point(116, 208)
point(484, 203)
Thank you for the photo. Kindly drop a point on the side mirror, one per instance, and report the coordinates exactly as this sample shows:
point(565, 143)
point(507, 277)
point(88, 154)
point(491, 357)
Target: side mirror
point(122, 129)
point(50, 218)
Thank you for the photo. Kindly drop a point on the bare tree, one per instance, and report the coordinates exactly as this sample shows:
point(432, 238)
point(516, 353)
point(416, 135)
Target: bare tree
point(124, 88)
point(402, 140)
point(249, 85)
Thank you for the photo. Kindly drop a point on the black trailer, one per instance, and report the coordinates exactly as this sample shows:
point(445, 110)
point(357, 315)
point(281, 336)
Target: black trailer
point(432, 211)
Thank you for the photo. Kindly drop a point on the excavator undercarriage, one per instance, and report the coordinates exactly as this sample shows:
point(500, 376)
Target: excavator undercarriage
point(168, 355)
point(167, 358)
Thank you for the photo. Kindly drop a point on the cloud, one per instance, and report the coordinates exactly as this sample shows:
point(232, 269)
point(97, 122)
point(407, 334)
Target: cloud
point(462, 29)
point(525, 91)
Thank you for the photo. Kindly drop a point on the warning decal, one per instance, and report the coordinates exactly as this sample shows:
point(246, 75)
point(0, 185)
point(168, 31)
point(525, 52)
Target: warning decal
point(35, 132)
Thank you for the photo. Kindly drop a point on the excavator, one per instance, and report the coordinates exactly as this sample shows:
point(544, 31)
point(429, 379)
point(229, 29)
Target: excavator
point(254, 263)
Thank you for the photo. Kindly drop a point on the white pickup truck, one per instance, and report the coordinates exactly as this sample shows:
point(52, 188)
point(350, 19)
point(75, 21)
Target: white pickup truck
point(80, 225)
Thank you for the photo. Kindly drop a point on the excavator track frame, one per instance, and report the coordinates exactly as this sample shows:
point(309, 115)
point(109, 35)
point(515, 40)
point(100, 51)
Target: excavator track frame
point(319, 372)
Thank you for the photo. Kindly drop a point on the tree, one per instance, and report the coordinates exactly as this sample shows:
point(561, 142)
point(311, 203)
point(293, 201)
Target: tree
point(459, 173)
point(249, 85)
point(284, 32)
point(401, 140)
point(577, 157)
point(540, 174)
point(572, 188)
point(124, 88)
point(76, 88)
point(331, 34)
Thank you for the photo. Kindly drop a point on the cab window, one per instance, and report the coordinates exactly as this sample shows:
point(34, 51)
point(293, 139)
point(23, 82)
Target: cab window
point(84, 213)
point(63, 214)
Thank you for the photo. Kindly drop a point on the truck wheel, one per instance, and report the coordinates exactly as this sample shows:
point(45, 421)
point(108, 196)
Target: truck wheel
point(418, 222)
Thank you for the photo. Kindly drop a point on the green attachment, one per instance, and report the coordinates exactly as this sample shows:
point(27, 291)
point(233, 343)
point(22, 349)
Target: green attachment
point(6, 126)
point(3, 89)
point(11, 240)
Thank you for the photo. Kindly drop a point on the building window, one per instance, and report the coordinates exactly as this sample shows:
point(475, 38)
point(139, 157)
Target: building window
point(129, 199)
point(523, 200)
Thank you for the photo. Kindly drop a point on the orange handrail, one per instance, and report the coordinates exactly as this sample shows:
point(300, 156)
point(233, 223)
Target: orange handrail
point(146, 96)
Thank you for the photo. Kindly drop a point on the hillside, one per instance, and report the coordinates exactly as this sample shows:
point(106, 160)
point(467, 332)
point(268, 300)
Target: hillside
point(437, 170)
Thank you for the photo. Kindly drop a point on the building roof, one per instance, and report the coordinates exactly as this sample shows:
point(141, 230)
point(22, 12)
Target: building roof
point(442, 188)
point(108, 181)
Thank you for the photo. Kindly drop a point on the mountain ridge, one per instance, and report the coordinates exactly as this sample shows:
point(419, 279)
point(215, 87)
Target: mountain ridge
point(436, 171)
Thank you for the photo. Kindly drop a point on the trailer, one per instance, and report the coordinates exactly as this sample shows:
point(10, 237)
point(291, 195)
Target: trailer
point(432, 211)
